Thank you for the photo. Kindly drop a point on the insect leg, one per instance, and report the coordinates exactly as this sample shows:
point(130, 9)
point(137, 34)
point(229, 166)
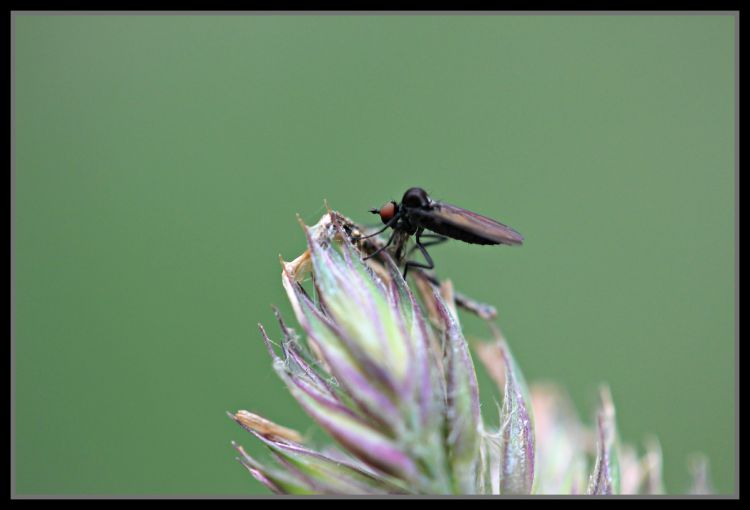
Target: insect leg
point(434, 239)
point(390, 240)
point(390, 222)
point(430, 264)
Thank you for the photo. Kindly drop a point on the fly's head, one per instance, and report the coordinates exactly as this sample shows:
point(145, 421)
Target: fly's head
point(387, 211)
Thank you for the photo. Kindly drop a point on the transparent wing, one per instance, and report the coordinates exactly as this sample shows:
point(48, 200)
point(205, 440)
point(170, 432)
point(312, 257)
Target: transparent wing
point(467, 226)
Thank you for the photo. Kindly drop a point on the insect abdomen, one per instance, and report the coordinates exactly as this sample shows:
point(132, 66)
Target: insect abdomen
point(449, 230)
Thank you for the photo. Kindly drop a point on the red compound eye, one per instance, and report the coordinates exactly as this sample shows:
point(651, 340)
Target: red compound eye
point(387, 212)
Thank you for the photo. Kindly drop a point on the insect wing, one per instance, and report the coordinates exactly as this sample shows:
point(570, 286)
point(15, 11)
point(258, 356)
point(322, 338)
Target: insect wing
point(468, 226)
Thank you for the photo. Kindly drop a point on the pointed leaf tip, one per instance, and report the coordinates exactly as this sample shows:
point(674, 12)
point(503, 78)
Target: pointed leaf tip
point(605, 478)
point(266, 428)
point(701, 485)
point(517, 449)
point(268, 343)
point(462, 392)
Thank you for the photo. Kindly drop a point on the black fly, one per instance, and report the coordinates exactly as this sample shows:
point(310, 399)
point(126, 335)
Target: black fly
point(417, 212)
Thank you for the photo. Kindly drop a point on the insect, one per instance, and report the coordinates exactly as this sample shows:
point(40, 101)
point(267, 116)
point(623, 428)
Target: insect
point(417, 212)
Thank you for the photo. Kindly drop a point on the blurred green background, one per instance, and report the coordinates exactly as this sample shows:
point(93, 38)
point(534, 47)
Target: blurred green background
point(160, 161)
